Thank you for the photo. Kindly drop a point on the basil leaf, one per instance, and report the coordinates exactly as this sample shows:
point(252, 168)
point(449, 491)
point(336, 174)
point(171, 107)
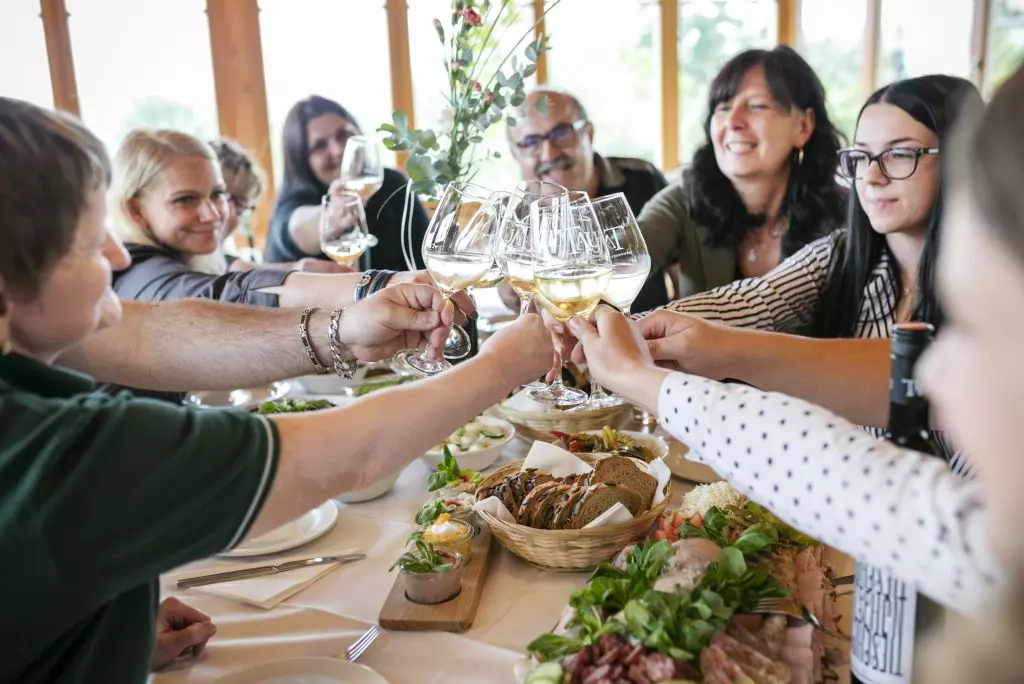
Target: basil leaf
point(552, 646)
point(759, 538)
point(731, 561)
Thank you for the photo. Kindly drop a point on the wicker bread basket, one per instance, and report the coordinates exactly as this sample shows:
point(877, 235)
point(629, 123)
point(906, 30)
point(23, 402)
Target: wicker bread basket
point(536, 425)
point(567, 550)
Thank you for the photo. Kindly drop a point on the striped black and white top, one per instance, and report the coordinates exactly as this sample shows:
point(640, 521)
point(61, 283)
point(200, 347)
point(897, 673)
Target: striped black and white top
point(786, 300)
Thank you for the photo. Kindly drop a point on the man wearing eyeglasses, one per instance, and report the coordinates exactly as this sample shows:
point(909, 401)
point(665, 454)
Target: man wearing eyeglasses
point(554, 141)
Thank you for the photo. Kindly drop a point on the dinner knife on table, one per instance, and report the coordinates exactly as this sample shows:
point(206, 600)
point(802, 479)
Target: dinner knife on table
point(262, 570)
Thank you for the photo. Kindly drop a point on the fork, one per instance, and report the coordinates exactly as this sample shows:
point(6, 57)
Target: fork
point(364, 642)
point(790, 608)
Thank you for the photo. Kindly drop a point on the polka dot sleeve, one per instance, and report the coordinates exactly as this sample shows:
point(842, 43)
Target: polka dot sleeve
point(896, 509)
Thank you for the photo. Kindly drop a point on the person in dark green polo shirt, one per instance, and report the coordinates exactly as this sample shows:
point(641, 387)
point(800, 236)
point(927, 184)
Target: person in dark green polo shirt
point(99, 494)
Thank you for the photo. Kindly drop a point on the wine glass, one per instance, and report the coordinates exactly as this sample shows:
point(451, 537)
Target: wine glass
point(631, 265)
point(361, 169)
point(571, 270)
point(343, 232)
point(458, 250)
point(514, 251)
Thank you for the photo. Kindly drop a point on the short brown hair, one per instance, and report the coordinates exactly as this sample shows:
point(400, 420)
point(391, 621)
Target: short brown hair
point(49, 164)
point(240, 170)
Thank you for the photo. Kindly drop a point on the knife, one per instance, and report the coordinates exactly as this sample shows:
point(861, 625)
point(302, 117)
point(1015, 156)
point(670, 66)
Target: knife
point(263, 570)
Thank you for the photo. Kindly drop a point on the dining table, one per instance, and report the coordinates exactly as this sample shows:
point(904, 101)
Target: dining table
point(518, 603)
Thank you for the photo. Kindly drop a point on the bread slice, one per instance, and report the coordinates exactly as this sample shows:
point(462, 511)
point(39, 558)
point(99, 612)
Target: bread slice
point(549, 507)
point(567, 505)
point(599, 499)
point(531, 506)
point(629, 473)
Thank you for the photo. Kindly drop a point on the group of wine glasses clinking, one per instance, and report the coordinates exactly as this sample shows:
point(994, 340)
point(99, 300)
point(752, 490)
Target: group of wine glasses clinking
point(556, 248)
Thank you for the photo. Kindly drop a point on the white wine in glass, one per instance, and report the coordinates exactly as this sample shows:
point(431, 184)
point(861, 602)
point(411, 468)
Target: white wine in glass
point(571, 269)
point(493, 278)
point(344, 236)
point(458, 251)
point(631, 265)
point(361, 169)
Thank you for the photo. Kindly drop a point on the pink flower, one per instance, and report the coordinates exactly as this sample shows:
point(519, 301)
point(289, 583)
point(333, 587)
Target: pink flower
point(488, 98)
point(475, 85)
point(456, 65)
point(437, 25)
point(472, 17)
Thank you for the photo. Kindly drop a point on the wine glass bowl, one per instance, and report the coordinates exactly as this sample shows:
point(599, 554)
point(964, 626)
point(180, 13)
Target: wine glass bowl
point(362, 171)
point(458, 251)
point(344, 236)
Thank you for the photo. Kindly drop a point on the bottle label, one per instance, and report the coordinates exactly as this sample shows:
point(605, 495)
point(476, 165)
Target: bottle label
point(902, 387)
point(884, 610)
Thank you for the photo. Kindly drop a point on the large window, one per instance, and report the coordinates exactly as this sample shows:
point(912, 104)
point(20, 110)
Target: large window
point(832, 41)
point(710, 33)
point(143, 63)
point(605, 53)
point(918, 38)
point(338, 50)
point(26, 72)
point(1005, 42)
point(430, 85)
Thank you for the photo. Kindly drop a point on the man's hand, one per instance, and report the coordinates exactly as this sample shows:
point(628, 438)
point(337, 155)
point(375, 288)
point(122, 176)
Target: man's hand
point(180, 630)
point(313, 265)
point(398, 317)
point(461, 299)
point(522, 350)
point(686, 343)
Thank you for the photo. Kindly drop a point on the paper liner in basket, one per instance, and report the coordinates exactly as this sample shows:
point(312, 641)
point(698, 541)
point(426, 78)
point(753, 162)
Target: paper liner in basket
point(556, 462)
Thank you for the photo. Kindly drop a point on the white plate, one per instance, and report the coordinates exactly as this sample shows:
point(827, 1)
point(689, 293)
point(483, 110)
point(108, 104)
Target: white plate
point(240, 398)
point(481, 458)
point(300, 531)
point(305, 671)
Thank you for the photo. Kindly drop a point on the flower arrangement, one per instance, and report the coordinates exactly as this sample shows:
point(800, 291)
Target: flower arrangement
point(476, 99)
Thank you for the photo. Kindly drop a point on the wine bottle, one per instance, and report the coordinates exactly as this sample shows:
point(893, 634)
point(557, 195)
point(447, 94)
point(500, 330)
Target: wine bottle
point(890, 618)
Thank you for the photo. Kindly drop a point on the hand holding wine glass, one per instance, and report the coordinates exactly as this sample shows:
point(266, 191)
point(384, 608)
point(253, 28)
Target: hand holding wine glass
point(361, 169)
point(458, 250)
point(343, 232)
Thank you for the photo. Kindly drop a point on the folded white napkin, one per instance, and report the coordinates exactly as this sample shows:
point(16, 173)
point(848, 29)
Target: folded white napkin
point(269, 590)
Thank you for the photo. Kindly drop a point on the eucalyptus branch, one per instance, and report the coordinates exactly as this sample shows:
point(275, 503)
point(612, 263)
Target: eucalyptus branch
point(483, 46)
point(516, 46)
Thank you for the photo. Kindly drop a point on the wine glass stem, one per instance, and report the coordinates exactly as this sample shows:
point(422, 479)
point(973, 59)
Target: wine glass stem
point(557, 382)
point(596, 390)
point(524, 305)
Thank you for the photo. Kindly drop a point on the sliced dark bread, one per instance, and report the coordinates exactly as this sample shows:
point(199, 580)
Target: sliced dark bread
point(599, 499)
point(629, 473)
point(567, 506)
point(549, 508)
point(531, 506)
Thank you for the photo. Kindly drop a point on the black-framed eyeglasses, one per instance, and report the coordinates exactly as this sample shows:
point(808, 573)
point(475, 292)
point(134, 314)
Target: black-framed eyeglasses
point(562, 135)
point(895, 163)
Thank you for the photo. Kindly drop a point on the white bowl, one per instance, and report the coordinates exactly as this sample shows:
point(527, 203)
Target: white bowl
point(480, 459)
point(330, 383)
point(377, 489)
point(657, 445)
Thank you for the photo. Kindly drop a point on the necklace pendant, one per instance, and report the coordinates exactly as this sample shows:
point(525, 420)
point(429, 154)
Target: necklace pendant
point(752, 255)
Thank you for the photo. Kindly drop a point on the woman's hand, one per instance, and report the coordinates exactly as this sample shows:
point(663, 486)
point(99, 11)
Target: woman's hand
point(522, 350)
point(617, 356)
point(690, 344)
point(461, 299)
point(398, 317)
point(180, 630)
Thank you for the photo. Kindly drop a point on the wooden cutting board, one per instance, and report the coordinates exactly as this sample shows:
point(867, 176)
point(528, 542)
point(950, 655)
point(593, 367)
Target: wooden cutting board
point(456, 615)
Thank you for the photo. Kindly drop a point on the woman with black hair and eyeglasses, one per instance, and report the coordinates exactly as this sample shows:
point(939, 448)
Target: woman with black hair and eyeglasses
point(855, 283)
point(315, 132)
point(763, 184)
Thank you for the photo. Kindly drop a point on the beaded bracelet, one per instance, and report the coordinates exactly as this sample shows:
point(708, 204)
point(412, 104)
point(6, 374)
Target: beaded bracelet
point(304, 335)
point(345, 362)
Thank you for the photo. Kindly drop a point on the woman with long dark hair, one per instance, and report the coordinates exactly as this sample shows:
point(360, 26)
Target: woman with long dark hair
point(761, 187)
point(855, 283)
point(315, 132)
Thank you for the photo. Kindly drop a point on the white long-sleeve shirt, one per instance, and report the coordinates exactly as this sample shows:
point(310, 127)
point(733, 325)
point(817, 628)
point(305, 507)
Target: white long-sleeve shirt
point(891, 507)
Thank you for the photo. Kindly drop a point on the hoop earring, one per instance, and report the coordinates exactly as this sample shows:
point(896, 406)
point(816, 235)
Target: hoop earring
point(800, 156)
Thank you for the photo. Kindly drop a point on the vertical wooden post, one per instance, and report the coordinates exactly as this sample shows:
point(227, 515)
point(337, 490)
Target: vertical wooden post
point(241, 89)
point(58, 50)
point(979, 42)
point(872, 44)
point(788, 22)
point(669, 84)
point(401, 64)
point(540, 31)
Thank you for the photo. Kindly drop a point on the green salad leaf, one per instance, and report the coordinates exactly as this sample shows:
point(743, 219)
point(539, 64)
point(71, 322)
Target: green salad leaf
point(447, 470)
point(293, 406)
point(785, 532)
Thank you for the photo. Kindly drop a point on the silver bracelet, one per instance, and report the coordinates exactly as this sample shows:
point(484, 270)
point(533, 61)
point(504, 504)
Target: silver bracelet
point(345, 362)
point(304, 335)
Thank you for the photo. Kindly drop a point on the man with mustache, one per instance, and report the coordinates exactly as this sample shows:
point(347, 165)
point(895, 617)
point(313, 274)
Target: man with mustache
point(553, 140)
